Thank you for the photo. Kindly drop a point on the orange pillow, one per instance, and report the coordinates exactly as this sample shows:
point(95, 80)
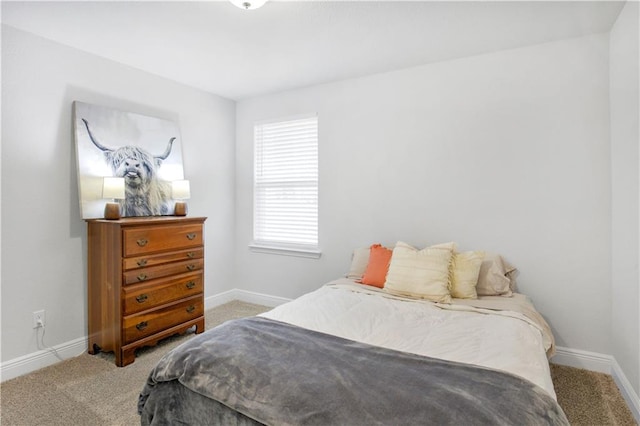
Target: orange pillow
point(376, 272)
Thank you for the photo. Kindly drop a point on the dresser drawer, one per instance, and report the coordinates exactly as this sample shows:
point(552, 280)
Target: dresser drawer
point(146, 274)
point(146, 323)
point(158, 259)
point(150, 239)
point(141, 297)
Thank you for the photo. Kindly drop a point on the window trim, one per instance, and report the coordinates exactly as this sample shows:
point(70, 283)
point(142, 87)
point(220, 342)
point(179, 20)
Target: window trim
point(296, 250)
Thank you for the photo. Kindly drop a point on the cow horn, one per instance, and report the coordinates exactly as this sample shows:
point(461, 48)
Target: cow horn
point(168, 150)
point(95, 142)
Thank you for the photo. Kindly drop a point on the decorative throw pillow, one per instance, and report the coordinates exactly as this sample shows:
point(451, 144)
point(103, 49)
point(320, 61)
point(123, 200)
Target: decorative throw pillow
point(420, 273)
point(465, 268)
point(493, 279)
point(378, 265)
point(359, 262)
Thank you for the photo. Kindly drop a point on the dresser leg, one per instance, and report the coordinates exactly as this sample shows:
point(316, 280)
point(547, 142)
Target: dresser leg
point(125, 357)
point(200, 326)
point(93, 348)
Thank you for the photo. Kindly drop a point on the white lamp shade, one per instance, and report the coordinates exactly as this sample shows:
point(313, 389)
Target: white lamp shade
point(180, 190)
point(248, 4)
point(113, 187)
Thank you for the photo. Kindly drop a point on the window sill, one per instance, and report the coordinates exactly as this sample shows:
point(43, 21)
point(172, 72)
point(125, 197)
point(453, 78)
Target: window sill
point(286, 250)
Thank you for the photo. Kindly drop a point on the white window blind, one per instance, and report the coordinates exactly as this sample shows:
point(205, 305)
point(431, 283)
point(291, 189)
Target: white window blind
point(286, 184)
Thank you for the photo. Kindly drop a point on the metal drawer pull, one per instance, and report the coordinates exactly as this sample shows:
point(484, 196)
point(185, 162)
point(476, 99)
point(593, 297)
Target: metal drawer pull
point(141, 326)
point(191, 267)
point(190, 284)
point(190, 255)
point(191, 236)
point(142, 262)
point(142, 277)
point(190, 309)
point(142, 298)
point(142, 242)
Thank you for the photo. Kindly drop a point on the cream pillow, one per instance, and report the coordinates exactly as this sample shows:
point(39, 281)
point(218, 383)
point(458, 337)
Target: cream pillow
point(465, 268)
point(420, 273)
point(359, 262)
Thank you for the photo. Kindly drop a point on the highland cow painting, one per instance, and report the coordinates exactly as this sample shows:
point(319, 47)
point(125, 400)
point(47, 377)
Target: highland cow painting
point(145, 151)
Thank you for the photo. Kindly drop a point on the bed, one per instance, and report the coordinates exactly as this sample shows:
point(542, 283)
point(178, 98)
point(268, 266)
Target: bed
point(350, 353)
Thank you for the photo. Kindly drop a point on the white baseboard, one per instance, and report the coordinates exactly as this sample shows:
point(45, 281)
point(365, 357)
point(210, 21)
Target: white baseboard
point(591, 361)
point(627, 391)
point(244, 296)
point(600, 363)
point(43, 358)
point(219, 299)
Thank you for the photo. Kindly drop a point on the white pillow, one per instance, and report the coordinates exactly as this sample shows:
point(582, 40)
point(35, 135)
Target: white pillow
point(359, 262)
point(420, 273)
point(495, 277)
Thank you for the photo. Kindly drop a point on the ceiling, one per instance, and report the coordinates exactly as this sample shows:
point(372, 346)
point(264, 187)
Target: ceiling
point(237, 54)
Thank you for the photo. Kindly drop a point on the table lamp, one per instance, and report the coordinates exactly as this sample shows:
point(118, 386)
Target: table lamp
point(112, 188)
point(180, 191)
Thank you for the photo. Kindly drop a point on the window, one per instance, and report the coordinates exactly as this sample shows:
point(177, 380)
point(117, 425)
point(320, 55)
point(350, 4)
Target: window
point(285, 216)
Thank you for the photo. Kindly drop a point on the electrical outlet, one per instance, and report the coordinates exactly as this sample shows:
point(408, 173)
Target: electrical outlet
point(38, 319)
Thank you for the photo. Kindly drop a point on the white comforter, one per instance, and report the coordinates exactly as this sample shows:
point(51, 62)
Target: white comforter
point(502, 340)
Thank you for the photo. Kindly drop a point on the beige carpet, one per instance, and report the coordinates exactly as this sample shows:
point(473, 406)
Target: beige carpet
point(589, 398)
point(91, 390)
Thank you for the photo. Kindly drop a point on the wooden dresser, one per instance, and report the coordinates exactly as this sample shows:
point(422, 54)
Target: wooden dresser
point(146, 282)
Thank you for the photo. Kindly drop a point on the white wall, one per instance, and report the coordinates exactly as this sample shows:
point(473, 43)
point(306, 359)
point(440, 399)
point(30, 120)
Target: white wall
point(625, 136)
point(43, 235)
point(507, 152)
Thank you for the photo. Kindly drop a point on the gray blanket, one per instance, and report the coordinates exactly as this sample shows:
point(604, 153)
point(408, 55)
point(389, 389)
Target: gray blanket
point(257, 370)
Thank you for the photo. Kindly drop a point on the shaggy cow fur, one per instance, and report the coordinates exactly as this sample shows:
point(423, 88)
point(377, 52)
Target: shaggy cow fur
point(145, 194)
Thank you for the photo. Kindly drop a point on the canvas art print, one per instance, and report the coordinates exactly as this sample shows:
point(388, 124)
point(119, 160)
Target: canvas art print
point(145, 151)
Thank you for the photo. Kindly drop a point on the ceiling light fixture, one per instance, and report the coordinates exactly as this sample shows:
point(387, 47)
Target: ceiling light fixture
point(248, 4)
